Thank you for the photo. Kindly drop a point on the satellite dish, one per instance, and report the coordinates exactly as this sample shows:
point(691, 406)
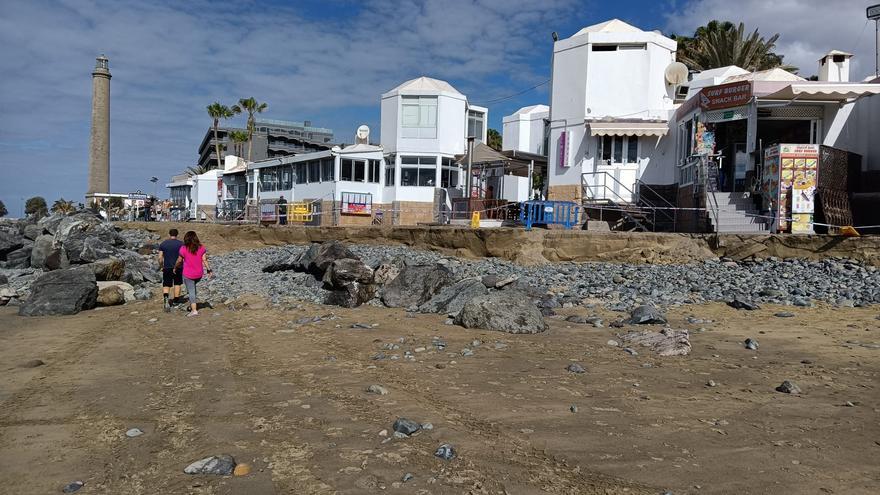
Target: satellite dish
point(363, 135)
point(676, 73)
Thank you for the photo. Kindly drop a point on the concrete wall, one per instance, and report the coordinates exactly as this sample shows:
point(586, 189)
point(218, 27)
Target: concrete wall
point(855, 127)
point(525, 132)
point(451, 125)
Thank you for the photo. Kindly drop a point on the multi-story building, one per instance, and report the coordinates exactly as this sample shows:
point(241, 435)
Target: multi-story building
point(272, 138)
point(525, 130)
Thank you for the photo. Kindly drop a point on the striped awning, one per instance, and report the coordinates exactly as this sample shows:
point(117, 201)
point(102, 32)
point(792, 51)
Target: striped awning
point(807, 91)
point(628, 128)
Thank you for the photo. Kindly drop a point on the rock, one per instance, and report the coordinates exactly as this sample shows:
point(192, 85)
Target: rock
point(406, 426)
point(784, 314)
point(415, 285)
point(427, 426)
point(241, 470)
point(32, 231)
point(20, 258)
point(586, 320)
point(56, 260)
point(631, 352)
point(613, 343)
point(452, 298)
point(33, 363)
point(507, 311)
point(711, 383)
point(134, 432)
point(505, 282)
point(223, 464)
point(283, 263)
point(741, 304)
point(86, 237)
point(575, 368)
point(61, 292)
point(350, 282)
point(8, 243)
point(44, 245)
point(489, 281)
point(3, 279)
point(143, 294)
point(573, 408)
point(384, 273)
point(666, 342)
point(407, 477)
point(108, 269)
point(50, 224)
point(788, 387)
point(94, 249)
point(319, 256)
point(803, 302)
point(751, 344)
point(377, 389)
point(445, 452)
point(111, 296)
point(72, 487)
point(646, 315)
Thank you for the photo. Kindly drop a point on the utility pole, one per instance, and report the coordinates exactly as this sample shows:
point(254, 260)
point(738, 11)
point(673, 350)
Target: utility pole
point(469, 177)
point(873, 14)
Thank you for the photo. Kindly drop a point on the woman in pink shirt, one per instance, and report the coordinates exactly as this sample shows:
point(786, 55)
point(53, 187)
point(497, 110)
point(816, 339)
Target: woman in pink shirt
point(194, 258)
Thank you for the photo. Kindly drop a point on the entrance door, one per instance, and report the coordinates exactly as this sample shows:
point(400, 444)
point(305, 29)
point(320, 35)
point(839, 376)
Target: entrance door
point(618, 168)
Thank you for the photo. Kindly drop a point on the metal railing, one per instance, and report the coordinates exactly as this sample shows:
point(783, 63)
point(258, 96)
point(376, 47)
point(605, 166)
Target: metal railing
point(490, 209)
point(665, 209)
point(626, 207)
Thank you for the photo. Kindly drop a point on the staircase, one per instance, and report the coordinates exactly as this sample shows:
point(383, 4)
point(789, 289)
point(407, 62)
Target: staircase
point(732, 213)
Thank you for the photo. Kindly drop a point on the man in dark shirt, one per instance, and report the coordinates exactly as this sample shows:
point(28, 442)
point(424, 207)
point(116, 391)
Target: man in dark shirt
point(169, 251)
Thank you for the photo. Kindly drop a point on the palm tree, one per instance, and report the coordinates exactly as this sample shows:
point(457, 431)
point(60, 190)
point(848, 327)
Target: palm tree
point(217, 111)
point(719, 44)
point(63, 206)
point(197, 170)
point(238, 138)
point(251, 106)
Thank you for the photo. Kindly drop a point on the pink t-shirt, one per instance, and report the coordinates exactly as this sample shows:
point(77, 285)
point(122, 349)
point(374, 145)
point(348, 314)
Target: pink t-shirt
point(192, 263)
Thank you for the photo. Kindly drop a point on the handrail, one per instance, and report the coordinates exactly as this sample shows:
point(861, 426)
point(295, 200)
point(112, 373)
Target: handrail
point(711, 200)
point(585, 187)
point(670, 211)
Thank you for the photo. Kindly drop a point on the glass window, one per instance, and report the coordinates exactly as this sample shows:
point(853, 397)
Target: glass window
point(427, 176)
point(449, 173)
point(418, 116)
point(373, 171)
point(302, 173)
point(418, 171)
point(617, 154)
point(409, 176)
point(286, 178)
point(346, 171)
point(327, 169)
point(476, 122)
point(632, 149)
point(605, 148)
point(359, 167)
point(389, 173)
point(314, 171)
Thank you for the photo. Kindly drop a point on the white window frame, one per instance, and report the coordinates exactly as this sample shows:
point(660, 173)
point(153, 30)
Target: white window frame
point(426, 165)
point(476, 117)
point(424, 109)
point(624, 148)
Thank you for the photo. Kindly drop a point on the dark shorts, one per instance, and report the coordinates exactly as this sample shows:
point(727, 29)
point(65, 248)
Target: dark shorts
point(169, 278)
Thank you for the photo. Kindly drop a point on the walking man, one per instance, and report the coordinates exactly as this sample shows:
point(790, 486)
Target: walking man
point(169, 250)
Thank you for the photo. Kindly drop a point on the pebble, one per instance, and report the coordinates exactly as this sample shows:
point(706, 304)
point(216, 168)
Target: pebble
point(629, 351)
point(72, 487)
point(784, 314)
point(377, 389)
point(33, 363)
point(445, 452)
point(711, 383)
point(788, 387)
point(613, 343)
point(400, 435)
point(407, 477)
point(576, 368)
point(153, 320)
point(427, 426)
point(751, 344)
point(406, 426)
point(467, 352)
point(367, 326)
point(573, 408)
point(383, 433)
point(134, 432)
point(242, 470)
point(222, 464)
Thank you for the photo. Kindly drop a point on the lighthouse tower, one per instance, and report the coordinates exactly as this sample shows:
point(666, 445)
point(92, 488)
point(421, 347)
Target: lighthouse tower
point(99, 140)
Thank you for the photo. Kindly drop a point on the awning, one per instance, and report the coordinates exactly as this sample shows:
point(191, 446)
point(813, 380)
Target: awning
point(823, 92)
point(628, 128)
point(483, 154)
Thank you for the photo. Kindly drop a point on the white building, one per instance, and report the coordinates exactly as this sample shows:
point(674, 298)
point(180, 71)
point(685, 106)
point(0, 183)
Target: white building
point(524, 130)
point(609, 107)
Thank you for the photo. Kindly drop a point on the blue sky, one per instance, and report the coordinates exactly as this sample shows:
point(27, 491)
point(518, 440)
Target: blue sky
point(325, 61)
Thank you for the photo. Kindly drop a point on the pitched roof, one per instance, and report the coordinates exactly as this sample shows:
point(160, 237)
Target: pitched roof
point(532, 109)
point(836, 52)
point(611, 26)
point(775, 74)
point(425, 83)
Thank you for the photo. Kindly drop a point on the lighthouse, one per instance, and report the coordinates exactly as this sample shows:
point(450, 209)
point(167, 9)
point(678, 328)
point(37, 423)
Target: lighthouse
point(99, 139)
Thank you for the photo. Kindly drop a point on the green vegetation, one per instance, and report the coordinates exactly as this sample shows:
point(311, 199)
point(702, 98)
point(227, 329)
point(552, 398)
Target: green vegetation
point(719, 44)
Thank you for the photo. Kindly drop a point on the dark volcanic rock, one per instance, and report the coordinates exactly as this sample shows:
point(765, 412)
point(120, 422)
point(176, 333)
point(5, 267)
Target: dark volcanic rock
point(646, 315)
point(319, 256)
point(406, 426)
point(20, 258)
point(61, 292)
point(415, 285)
point(452, 298)
point(504, 311)
point(44, 245)
point(351, 282)
point(223, 464)
point(8, 243)
point(741, 304)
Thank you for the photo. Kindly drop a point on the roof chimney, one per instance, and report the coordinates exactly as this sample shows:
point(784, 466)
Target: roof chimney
point(834, 66)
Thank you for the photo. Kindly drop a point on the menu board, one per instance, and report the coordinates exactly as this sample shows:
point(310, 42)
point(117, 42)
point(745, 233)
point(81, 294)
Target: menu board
point(789, 185)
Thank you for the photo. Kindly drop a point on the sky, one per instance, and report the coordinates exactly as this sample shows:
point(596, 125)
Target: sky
point(327, 61)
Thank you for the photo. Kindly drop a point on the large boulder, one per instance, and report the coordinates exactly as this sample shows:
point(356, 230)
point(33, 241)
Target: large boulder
point(20, 258)
point(453, 297)
point(44, 246)
point(350, 282)
point(32, 231)
point(283, 263)
point(415, 285)
point(74, 231)
point(318, 257)
point(110, 269)
point(646, 315)
point(61, 292)
point(56, 260)
point(9, 242)
point(50, 224)
point(95, 249)
point(503, 311)
point(110, 296)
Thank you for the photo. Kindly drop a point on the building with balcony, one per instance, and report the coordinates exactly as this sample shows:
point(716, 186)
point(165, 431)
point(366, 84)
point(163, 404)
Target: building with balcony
point(272, 138)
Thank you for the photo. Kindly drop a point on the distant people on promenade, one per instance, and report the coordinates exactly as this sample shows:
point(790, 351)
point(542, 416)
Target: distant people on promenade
point(169, 251)
point(193, 262)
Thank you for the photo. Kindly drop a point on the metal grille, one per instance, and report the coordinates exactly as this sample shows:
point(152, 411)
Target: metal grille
point(737, 113)
point(796, 112)
point(833, 165)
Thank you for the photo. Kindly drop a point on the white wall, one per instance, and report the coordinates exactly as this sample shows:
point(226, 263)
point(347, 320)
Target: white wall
point(855, 127)
point(451, 126)
point(524, 132)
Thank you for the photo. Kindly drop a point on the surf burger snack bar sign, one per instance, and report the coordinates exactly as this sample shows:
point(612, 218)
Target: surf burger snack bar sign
point(728, 95)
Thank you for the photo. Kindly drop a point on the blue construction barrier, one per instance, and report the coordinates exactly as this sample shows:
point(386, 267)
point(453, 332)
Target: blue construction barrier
point(564, 213)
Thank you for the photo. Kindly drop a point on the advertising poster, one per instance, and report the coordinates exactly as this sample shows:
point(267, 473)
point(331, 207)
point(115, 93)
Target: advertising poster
point(357, 203)
point(790, 179)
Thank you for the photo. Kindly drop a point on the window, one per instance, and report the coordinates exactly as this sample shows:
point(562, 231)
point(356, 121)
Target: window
point(449, 173)
point(604, 48)
point(302, 173)
point(359, 171)
point(418, 116)
point(476, 121)
point(346, 170)
point(269, 178)
point(286, 178)
point(327, 166)
point(314, 171)
point(618, 149)
point(373, 171)
point(418, 171)
point(389, 171)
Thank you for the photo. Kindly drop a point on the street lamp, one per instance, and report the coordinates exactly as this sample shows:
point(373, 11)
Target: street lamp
point(155, 181)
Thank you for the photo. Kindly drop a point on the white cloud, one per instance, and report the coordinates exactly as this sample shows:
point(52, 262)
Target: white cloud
point(808, 28)
point(170, 59)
